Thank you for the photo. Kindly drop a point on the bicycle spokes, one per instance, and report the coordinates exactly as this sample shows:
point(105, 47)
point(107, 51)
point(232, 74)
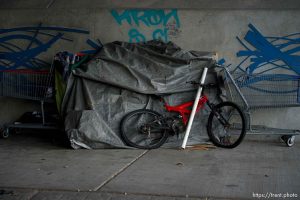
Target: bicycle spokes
point(224, 121)
point(144, 129)
point(226, 126)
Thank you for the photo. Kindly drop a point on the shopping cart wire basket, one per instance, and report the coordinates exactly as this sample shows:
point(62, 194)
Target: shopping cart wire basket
point(37, 85)
point(261, 91)
point(26, 84)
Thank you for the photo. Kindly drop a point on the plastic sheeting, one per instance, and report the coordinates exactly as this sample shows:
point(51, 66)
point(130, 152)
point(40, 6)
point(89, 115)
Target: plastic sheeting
point(123, 77)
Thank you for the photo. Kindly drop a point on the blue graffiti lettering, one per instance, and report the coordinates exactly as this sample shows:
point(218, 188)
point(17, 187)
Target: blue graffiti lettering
point(171, 14)
point(136, 36)
point(267, 52)
point(120, 17)
point(262, 57)
point(156, 17)
point(139, 16)
point(160, 34)
point(13, 56)
point(146, 17)
point(95, 47)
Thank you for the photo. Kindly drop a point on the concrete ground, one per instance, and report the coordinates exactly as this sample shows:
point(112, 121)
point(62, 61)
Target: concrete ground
point(36, 166)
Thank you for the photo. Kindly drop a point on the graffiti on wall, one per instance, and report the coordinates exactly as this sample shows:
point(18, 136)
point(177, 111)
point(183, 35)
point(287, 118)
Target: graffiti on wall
point(269, 53)
point(270, 64)
point(162, 24)
point(23, 47)
point(273, 56)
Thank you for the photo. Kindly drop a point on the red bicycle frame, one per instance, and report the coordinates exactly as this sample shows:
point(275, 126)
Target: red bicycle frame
point(184, 109)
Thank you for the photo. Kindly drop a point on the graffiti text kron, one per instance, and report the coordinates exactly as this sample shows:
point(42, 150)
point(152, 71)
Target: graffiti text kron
point(146, 17)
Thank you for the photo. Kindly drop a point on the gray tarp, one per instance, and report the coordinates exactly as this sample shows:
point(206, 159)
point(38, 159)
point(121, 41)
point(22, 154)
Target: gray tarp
point(120, 79)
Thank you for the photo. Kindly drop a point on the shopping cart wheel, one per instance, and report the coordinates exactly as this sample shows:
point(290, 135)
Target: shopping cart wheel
point(5, 133)
point(288, 139)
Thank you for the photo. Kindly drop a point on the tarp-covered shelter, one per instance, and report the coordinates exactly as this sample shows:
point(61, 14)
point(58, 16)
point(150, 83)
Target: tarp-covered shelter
point(123, 77)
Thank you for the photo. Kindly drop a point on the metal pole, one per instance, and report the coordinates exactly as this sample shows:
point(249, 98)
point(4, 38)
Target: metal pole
point(228, 74)
point(191, 119)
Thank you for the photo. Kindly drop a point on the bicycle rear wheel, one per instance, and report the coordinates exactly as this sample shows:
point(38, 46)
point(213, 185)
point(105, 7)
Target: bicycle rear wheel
point(143, 129)
point(226, 125)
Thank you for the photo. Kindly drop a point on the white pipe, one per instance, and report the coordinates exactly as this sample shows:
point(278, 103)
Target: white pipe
point(191, 119)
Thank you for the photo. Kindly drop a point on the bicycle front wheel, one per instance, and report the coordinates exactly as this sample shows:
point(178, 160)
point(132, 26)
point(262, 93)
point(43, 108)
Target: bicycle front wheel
point(226, 125)
point(143, 129)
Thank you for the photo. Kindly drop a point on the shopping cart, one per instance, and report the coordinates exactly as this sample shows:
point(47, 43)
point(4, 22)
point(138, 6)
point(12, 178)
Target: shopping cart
point(27, 84)
point(262, 91)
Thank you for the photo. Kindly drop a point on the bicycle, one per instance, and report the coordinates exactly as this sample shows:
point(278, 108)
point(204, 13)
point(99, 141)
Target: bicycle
point(148, 129)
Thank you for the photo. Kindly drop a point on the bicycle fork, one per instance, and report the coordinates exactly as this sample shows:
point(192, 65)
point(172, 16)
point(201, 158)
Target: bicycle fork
point(218, 115)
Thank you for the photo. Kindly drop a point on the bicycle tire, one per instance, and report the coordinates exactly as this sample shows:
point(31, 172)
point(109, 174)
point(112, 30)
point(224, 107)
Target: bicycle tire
point(130, 138)
point(232, 113)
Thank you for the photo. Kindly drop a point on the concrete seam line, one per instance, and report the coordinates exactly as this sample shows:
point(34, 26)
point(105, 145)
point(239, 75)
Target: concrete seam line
point(120, 171)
